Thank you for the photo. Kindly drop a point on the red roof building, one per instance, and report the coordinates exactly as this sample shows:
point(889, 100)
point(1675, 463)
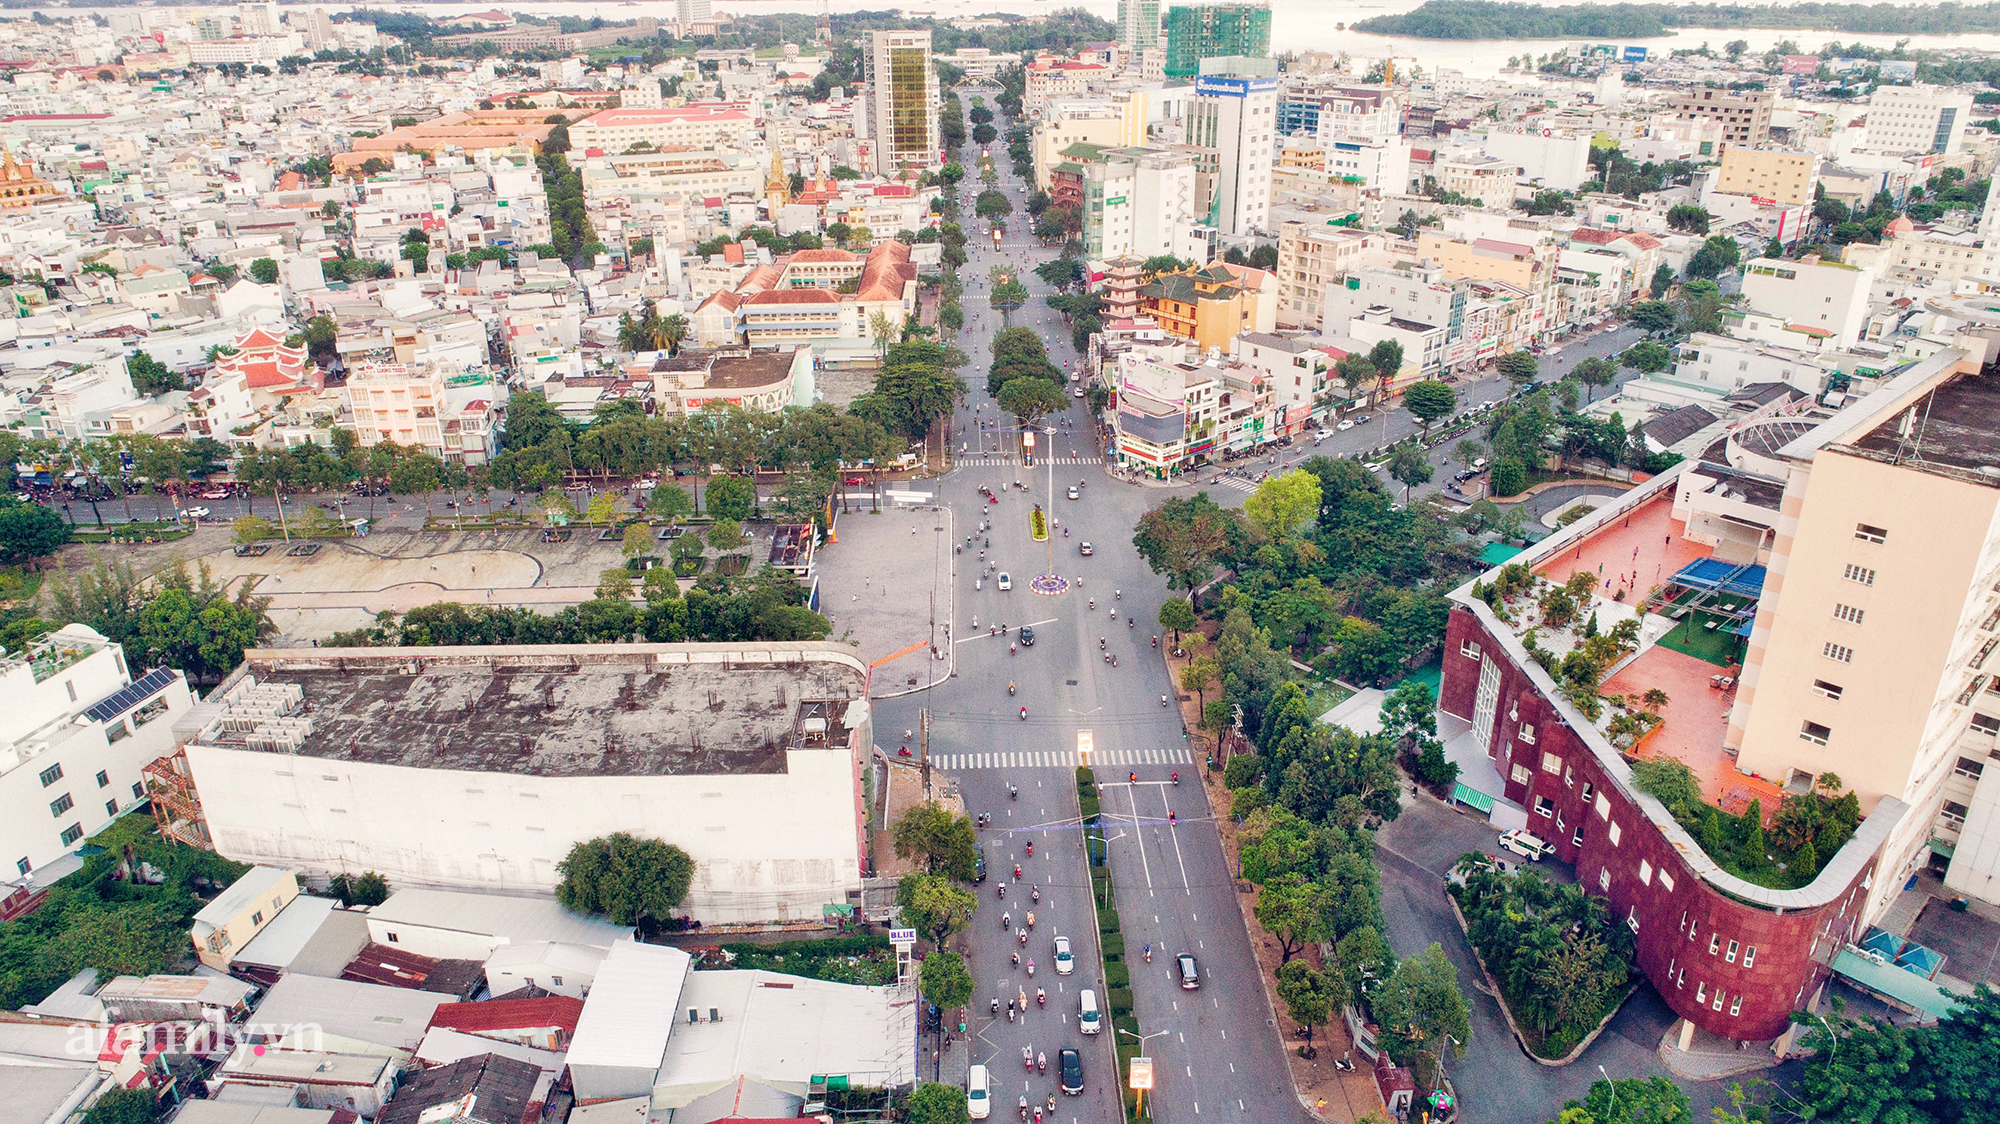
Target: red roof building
point(544, 1023)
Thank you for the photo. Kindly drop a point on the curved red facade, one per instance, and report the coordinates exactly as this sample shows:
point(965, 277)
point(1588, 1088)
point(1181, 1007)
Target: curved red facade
point(1733, 967)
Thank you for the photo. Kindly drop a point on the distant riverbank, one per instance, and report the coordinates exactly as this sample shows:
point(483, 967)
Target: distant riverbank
point(1296, 25)
point(1486, 19)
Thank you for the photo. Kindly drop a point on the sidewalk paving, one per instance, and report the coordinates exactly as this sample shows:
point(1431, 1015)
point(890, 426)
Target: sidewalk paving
point(910, 550)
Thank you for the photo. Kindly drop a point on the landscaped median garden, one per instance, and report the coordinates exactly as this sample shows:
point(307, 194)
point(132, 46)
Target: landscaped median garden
point(1561, 964)
point(1117, 973)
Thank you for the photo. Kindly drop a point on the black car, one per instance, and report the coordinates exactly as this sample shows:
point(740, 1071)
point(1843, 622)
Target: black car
point(1072, 1071)
point(1027, 637)
point(979, 865)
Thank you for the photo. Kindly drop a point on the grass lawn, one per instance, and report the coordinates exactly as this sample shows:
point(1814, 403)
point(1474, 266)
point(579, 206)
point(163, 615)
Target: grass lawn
point(1719, 645)
point(1325, 696)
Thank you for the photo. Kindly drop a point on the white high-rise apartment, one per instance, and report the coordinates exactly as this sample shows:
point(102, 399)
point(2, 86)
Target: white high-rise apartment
point(1139, 203)
point(904, 86)
point(1238, 118)
point(1917, 119)
point(1139, 24)
point(688, 11)
point(1872, 652)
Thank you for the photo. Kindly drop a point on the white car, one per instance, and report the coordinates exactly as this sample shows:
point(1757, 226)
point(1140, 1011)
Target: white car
point(648, 485)
point(1065, 963)
point(1004, 582)
point(1376, 466)
point(1078, 392)
point(978, 1093)
point(1072, 491)
point(195, 513)
point(1345, 425)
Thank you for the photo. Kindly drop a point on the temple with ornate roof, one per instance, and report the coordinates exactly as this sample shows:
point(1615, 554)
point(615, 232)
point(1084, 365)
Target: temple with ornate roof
point(21, 186)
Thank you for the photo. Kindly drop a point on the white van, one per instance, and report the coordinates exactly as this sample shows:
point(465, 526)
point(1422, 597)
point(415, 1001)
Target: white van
point(1088, 1020)
point(978, 1093)
point(1530, 847)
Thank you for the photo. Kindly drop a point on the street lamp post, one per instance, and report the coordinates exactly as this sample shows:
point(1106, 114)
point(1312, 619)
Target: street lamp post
point(1140, 1108)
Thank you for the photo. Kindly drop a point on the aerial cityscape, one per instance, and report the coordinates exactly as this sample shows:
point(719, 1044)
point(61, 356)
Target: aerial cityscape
point(564, 566)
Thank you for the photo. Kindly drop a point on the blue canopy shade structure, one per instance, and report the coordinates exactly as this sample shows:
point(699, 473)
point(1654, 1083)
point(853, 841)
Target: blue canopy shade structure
point(1713, 575)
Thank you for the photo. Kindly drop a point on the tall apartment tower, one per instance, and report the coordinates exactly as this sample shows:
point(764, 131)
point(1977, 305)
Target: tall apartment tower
point(904, 86)
point(1872, 645)
point(1237, 118)
point(1208, 31)
point(688, 11)
point(1139, 24)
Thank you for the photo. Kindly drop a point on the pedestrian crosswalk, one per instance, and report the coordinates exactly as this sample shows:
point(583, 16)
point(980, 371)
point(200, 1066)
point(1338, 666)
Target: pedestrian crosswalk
point(994, 460)
point(1236, 482)
point(1062, 759)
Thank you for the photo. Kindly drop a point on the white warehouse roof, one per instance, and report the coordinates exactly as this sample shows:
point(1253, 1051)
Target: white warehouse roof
point(631, 1008)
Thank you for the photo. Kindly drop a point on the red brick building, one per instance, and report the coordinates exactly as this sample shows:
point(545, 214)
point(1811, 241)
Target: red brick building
point(1730, 957)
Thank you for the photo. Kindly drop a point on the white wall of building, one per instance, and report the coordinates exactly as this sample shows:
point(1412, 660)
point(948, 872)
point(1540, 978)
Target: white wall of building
point(1558, 160)
point(63, 777)
point(1238, 118)
point(766, 846)
point(1822, 295)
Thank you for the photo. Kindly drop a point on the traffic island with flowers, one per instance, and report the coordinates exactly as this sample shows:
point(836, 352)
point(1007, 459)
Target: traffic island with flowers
point(1038, 523)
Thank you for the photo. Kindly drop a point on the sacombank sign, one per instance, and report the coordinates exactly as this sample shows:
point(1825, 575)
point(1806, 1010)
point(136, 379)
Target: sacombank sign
point(1229, 87)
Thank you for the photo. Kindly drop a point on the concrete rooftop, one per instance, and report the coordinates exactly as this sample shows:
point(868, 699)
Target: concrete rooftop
point(560, 711)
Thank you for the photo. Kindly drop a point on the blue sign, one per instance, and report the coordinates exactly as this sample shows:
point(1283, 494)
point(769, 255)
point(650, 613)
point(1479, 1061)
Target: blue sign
point(1635, 54)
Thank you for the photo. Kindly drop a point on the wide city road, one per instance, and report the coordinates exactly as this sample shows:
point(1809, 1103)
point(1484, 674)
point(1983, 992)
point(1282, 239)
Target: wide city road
point(1216, 1049)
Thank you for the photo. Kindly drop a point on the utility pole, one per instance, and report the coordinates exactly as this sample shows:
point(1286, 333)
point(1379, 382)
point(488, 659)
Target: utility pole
point(924, 747)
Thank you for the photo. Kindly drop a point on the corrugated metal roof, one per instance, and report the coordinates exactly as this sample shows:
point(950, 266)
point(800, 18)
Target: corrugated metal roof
point(631, 1007)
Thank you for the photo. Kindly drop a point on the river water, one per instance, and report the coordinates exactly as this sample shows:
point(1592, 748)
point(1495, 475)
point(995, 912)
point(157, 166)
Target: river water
point(1296, 25)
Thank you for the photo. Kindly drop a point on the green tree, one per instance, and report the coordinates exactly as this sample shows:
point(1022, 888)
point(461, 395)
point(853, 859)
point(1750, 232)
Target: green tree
point(1409, 467)
point(726, 535)
point(368, 889)
point(942, 839)
point(29, 530)
point(945, 980)
point(670, 502)
point(264, 271)
point(731, 497)
point(933, 1102)
point(1671, 782)
point(1518, 367)
point(934, 906)
point(1309, 994)
point(150, 376)
point(638, 540)
point(1595, 372)
point(124, 1106)
point(1177, 613)
point(625, 877)
point(1632, 1100)
point(1687, 218)
point(1662, 280)
point(1283, 504)
point(1289, 908)
point(1029, 399)
point(1654, 316)
point(992, 204)
point(1647, 357)
point(1428, 401)
point(1387, 359)
point(1750, 848)
point(1183, 538)
point(1718, 255)
point(1198, 675)
point(1422, 1012)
